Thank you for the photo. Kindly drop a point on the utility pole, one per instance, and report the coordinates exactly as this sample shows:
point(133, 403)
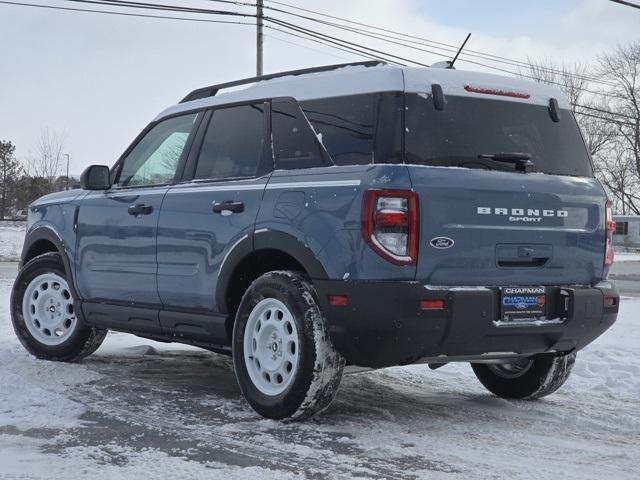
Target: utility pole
point(259, 38)
point(67, 155)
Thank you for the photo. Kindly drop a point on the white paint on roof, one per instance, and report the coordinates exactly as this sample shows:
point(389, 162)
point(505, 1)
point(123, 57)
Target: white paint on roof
point(355, 80)
point(335, 83)
point(453, 82)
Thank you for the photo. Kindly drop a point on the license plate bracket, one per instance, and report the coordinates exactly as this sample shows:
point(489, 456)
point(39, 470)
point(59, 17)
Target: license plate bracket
point(523, 304)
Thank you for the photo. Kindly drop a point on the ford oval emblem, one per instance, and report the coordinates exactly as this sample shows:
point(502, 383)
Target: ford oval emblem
point(442, 242)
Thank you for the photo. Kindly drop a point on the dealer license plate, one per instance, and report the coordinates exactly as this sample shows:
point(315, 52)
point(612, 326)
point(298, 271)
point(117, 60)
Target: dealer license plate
point(522, 304)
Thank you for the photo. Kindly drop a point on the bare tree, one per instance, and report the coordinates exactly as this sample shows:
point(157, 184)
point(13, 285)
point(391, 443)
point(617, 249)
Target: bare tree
point(615, 169)
point(621, 162)
point(573, 80)
point(576, 83)
point(48, 160)
point(622, 69)
point(605, 103)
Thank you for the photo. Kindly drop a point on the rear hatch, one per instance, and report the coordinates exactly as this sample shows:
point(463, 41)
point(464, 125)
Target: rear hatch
point(509, 222)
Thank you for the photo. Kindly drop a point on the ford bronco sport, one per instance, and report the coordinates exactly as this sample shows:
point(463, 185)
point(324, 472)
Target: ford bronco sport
point(359, 216)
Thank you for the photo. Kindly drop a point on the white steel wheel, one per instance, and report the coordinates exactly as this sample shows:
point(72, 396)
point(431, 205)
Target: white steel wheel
point(271, 347)
point(47, 308)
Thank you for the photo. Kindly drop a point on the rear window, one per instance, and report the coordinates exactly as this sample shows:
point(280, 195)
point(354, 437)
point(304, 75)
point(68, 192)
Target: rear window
point(468, 127)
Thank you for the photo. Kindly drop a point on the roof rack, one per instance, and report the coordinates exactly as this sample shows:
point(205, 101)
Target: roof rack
point(211, 91)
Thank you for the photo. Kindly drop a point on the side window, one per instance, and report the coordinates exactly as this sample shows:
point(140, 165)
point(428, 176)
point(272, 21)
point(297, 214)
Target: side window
point(345, 126)
point(294, 143)
point(233, 144)
point(154, 160)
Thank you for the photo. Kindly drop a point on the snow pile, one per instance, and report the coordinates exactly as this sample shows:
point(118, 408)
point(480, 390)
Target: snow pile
point(11, 240)
point(627, 257)
point(613, 361)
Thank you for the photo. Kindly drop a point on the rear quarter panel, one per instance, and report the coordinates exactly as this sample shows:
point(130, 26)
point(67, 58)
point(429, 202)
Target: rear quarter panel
point(321, 208)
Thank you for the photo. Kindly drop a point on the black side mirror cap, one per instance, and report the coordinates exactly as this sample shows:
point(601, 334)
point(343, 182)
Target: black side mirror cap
point(95, 177)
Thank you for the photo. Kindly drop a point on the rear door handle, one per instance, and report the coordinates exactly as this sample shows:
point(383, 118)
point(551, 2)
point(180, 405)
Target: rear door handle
point(140, 209)
point(227, 208)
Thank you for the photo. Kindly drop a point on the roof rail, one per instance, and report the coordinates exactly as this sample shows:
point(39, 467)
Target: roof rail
point(213, 89)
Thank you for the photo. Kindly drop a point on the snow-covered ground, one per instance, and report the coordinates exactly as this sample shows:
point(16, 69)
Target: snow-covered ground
point(139, 409)
point(11, 239)
point(627, 257)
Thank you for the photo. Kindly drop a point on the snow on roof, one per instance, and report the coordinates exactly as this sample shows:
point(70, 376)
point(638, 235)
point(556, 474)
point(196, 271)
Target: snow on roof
point(353, 80)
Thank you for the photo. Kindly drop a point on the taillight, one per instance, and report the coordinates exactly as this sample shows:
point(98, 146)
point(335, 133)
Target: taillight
point(390, 224)
point(610, 229)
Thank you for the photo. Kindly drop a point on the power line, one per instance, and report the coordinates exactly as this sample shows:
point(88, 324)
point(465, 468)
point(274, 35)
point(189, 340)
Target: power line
point(378, 37)
point(287, 32)
point(346, 42)
point(379, 52)
point(602, 110)
point(628, 4)
point(318, 37)
point(363, 49)
point(337, 45)
point(610, 120)
point(124, 14)
point(422, 41)
point(273, 37)
point(161, 7)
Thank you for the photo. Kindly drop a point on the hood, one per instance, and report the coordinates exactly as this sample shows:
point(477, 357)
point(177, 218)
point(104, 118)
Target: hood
point(65, 196)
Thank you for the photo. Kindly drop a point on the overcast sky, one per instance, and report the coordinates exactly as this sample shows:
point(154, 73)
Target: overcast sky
point(100, 78)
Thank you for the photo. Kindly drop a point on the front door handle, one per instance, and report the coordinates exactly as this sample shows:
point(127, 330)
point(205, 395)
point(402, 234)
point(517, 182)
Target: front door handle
point(227, 208)
point(140, 209)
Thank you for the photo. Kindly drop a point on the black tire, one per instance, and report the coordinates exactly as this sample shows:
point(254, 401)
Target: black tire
point(82, 341)
point(315, 381)
point(540, 378)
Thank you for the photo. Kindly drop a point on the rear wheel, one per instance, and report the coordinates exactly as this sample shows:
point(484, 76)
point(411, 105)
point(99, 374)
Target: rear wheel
point(285, 363)
point(43, 315)
point(525, 378)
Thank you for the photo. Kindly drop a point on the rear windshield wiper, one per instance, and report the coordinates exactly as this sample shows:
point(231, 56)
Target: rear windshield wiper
point(522, 161)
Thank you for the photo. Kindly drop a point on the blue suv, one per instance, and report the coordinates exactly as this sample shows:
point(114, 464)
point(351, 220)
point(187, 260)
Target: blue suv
point(350, 216)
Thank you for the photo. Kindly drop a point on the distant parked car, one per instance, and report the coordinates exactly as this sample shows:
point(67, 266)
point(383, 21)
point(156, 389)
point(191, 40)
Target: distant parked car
point(367, 216)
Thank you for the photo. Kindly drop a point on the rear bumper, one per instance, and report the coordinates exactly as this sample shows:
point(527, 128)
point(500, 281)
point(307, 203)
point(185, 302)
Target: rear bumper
point(383, 324)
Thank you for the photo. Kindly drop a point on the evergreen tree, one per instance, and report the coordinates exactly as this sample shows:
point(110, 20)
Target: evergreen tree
point(10, 171)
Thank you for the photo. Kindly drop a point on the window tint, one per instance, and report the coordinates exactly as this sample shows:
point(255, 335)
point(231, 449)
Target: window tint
point(233, 144)
point(155, 158)
point(345, 126)
point(294, 142)
point(469, 127)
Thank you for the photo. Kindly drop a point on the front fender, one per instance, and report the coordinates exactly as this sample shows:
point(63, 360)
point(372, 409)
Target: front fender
point(48, 233)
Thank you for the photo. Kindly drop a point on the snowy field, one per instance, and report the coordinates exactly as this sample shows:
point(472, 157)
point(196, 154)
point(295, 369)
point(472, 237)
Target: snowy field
point(11, 239)
point(137, 409)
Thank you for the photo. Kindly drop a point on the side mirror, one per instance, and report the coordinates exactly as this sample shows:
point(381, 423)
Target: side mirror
point(95, 177)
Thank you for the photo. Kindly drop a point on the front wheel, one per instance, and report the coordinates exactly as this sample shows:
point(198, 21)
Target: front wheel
point(284, 361)
point(43, 313)
point(525, 378)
